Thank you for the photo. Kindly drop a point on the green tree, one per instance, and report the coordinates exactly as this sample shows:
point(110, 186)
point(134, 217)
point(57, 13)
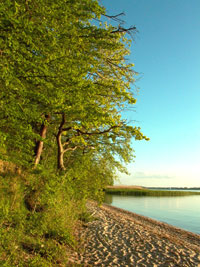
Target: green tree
point(38, 44)
point(65, 73)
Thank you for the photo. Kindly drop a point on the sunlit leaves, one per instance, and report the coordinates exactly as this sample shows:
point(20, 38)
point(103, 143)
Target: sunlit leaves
point(55, 59)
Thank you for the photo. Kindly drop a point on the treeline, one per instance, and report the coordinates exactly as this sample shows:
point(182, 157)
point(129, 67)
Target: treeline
point(64, 81)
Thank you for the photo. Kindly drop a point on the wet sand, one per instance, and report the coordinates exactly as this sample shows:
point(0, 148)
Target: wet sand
point(120, 238)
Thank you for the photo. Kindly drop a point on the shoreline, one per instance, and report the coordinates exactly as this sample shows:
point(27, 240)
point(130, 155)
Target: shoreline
point(117, 237)
point(161, 227)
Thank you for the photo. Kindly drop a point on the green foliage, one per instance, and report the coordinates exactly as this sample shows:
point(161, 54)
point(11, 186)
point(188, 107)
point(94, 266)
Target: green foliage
point(64, 81)
point(40, 232)
point(55, 60)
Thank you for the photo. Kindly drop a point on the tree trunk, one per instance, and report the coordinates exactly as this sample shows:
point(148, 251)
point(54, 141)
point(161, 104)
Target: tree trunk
point(60, 156)
point(40, 144)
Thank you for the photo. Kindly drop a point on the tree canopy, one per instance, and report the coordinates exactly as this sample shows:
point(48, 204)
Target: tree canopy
point(65, 79)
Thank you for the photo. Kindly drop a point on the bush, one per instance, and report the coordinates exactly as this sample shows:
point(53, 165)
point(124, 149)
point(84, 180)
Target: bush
point(38, 233)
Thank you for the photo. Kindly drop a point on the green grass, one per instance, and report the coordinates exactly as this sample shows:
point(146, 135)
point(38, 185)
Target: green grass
point(37, 221)
point(147, 192)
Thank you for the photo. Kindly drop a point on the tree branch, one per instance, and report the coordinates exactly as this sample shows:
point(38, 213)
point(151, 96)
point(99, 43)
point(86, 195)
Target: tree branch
point(122, 30)
point(116, 17)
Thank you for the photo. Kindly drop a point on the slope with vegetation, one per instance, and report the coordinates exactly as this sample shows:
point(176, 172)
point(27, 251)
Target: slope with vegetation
point(64, 80)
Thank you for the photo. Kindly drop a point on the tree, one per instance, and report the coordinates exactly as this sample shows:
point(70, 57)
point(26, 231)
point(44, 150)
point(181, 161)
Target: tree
point(68, 74)
point(36, 59)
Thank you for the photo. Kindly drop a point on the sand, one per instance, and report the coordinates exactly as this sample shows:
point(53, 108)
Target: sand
point(121, 238)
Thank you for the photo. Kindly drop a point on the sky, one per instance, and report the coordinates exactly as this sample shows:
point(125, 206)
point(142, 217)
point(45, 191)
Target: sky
point(166, 53)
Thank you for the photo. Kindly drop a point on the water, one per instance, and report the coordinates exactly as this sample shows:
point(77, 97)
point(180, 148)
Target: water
point(183, 212)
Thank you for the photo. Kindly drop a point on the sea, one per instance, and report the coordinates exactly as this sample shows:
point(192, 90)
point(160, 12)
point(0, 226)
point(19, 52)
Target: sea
point(180, 211)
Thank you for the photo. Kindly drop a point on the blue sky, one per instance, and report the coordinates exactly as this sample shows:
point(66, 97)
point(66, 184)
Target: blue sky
point(166, 53)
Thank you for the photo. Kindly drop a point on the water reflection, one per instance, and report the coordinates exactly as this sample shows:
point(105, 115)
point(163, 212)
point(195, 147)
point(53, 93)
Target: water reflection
point(108, 199)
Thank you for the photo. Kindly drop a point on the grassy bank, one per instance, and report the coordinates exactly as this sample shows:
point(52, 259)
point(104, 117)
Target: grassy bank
point(146, 192)
point(38, 220)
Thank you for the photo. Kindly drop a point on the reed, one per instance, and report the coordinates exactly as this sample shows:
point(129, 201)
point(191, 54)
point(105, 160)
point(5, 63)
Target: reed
point(148, 192)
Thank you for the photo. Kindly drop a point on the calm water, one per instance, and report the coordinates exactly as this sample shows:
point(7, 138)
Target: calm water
point(183, 212)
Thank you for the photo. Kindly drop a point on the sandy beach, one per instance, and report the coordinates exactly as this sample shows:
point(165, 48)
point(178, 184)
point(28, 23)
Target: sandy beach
point(120, 238)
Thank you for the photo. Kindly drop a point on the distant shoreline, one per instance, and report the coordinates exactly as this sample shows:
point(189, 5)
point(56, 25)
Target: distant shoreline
point(175, 188)
point(153, 187)
point(150, 191)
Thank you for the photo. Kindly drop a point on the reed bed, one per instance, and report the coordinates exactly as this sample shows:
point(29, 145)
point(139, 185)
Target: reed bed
point(148, 192)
